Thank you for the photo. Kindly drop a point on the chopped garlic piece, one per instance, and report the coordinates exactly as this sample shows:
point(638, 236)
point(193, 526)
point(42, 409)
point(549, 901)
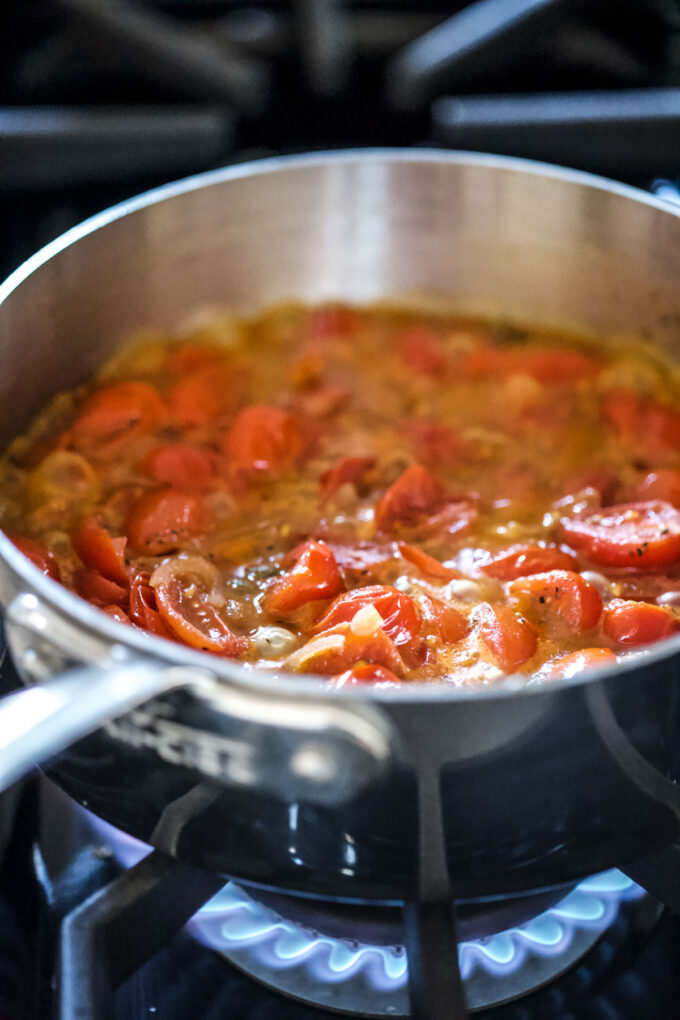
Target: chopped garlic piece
point(366, 621)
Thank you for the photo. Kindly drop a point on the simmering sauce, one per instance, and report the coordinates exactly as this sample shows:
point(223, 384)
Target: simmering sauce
point(375, 495)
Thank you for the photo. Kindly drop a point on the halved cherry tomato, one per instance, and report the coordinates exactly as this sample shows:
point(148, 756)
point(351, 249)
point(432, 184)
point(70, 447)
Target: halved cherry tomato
point(400, 620)
point(426, 564)
point(523, 560)
point(164, 520)
point(641, 535)
point(663, 484)
point(264, 439)
point(99, 551)
point(205, 396)
point(315, 576)
point(113, 416)
point(360, 559)
point(434, 444)
point(414, 495)
point(43, 559)
point(447, 622)
point(637, 623)
point(584, 658)
point(96, 588)
point(562, 593)
point(365, 673)
point(183, 603)
point(117, 613)
point(509, 638)
point(421, 351)
point(339, 649)
point(642, 423)
point(143, 607)
point(183, 465)
point(351, 469)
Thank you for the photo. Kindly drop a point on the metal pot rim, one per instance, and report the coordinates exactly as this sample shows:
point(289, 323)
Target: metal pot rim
point(78, 610)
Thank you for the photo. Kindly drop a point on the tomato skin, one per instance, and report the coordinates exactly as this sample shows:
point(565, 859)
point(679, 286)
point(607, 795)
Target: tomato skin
point(565, 594)
point(400, 620)
point(99, 590)
point(264, 440)
point(415, 495)
point(315, 576)
point(99, 551)
point(365, 673)
point(111, 417)
point(663, 484)
point(511, 640)
point(636, 535)
point(421, 351)
point(348, 650)
point(434, 444)
point(163, 520)
point(426, 564)
point(183, 465)
point(117, 613)
point(351, 469)
point(581, 660)
point(523, 560)
point(637, 623)
point(42, 558)
point(204, 396)
point(143, 608)
point(445, 621)
point(640, 423)
point(195, 620)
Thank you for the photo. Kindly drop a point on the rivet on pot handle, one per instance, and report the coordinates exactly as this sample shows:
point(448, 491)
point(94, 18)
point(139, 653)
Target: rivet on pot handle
point(314, 749)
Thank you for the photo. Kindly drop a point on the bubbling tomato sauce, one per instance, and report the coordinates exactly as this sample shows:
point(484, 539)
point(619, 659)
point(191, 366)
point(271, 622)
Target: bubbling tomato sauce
point(374, 494)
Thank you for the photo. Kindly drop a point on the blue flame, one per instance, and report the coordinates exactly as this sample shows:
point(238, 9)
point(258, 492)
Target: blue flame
point(233, 920)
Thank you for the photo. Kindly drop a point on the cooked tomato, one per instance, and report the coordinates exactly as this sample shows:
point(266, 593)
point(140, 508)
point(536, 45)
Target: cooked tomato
point(164, 520)
point(421, 351)
point(184, 604)
point(547, 366)
point(323, 402)
point(315, 576)
point(663, 484)
point(350, 470)
point(446, 622)
point(99, 551)
point(560, 593)
point(117, 613)
point(434, 444)
point(414, 495)
point(203, 397)
point(637, 623)
point(365, 673)
point(642, 423)
point(331, 321)
point(426, 564)
point(99, 590)
point(523, 560)
point(43, 559)
point(639, 535)
point(143, 607)
point(182, 465)
point(264, 440)
point(340, 648)
point(510, 639)
point(398, 615)
point(113, 416)
point(583, 659)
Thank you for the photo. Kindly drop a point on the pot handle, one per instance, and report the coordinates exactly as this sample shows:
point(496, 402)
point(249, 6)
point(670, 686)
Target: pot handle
point(314, 748)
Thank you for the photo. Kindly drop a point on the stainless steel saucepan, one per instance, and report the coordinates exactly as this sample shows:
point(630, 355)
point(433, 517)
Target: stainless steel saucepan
point(424, 791)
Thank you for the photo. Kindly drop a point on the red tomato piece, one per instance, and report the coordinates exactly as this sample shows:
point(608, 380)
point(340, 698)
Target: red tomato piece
point(427, 564)
point(44, 560)
point(414, 495)
point(434, 444)
point(205, 396)
point(164, 520)
point(188, 358)
point(113, 416)
point(509, 638)
point(365, 673)
point(447, 622)
point(339, 649)
point(324, 401)
point(144, 609)
point(264, 440)
point(637, 623)
point(663, 484)
point(99, 551)
point(583, 659)
point(315, 576)
point(642, 423)
point(182, 465)
point(421, 351)
point(184, 607)
point(562, 593)
point(96, 588)
point(547, 366)
point(351, 469)
point(400, 620)
point(331, 322)
point(117, 613)
point(640, 535)
point(523, 560)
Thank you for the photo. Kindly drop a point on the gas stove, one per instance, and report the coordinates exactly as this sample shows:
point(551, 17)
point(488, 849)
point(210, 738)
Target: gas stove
point(101, 100)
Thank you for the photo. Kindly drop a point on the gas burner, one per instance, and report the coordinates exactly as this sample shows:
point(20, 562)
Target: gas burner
point(294, 946)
